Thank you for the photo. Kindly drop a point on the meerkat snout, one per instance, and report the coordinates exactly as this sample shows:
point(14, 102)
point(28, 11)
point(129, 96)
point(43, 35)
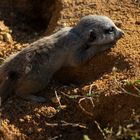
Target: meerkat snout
point(120, 33)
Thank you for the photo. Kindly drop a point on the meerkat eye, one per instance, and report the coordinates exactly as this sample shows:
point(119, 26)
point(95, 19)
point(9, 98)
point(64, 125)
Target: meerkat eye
point(92, 36)
point(109, 30)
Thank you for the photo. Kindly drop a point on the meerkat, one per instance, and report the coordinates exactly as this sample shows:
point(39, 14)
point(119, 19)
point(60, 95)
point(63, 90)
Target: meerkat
point(30, 70)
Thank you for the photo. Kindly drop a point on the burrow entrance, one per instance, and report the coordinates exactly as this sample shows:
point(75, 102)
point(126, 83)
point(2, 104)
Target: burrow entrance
point(30, 18)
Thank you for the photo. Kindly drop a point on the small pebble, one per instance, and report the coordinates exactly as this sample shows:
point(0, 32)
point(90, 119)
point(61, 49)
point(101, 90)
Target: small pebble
point(21, 120)
point(56, 100)
point(137, 22)
point(17, 47)
point(7, 38)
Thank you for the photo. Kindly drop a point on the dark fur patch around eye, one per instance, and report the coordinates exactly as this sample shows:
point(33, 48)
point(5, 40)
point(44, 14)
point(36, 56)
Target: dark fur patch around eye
point(13, 75)
point(92, 36)
point(109, 30)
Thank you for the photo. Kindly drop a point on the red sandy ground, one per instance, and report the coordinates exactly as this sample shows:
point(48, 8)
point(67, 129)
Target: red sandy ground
point(105, 74)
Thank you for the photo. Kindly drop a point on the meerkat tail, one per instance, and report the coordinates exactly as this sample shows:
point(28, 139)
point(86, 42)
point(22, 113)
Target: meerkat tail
point(7, 86)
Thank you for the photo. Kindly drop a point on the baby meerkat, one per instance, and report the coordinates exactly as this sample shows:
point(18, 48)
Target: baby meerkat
point(29, 71)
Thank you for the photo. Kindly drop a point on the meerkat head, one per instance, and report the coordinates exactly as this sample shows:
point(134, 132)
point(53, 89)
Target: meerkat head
point(99, 31)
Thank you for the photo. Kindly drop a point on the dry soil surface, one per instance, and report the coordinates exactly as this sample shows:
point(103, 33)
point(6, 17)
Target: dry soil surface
point(97, 99)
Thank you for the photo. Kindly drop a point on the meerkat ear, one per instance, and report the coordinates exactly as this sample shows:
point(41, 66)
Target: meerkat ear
point(92, 36)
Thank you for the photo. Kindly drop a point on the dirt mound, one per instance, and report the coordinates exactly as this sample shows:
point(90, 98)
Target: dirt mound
point(97, 99)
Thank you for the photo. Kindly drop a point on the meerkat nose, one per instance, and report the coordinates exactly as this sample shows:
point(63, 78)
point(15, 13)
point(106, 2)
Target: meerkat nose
point(120, 33)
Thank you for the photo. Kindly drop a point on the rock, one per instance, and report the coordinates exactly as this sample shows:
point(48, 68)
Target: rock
point(1, 37)
point(137, 22)
point(1, 54)
point(21, 120)
point(76, 90)
point(56, 100)
point(18, 47)
point(118, 24)
point(7, 38)
point(3, 28)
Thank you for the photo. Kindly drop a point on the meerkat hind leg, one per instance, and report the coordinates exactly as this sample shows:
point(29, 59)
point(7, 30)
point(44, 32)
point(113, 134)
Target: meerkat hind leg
point(29, 87)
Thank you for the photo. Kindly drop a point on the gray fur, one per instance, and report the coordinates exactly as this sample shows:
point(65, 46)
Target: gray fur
point(31, 69)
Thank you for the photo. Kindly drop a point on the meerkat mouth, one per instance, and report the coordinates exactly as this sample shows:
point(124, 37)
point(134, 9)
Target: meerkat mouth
point(107, 45)
point(113, 43)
